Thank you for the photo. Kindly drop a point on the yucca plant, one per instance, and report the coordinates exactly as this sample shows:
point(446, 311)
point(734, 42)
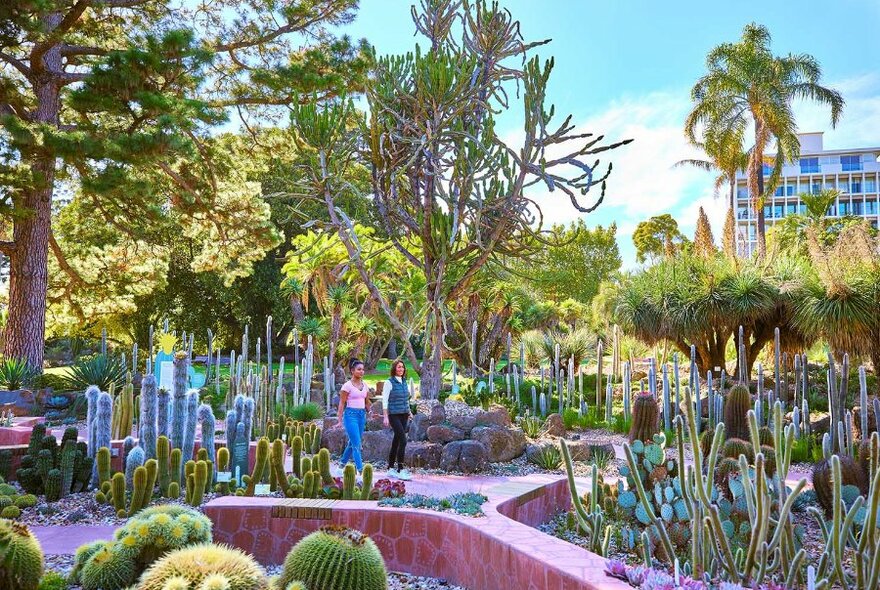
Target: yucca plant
point(16, 373)
point(575, 343)
point(547, 457)
point(100, 370)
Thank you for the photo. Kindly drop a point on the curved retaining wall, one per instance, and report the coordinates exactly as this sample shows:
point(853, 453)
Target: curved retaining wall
point(499, 551)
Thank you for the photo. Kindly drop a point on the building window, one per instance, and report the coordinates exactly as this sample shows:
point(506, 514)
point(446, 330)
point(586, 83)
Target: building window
point(870, 185)
point(809, 165)
point(845, 208)
point(790, 189)
point(857, 208)
point(777, 212)
point(768, 212)
point(816, 188)
point(742, 192)
point(871, 208)
point(791, 209)
point(851, 163)
point(766, 169)
point(779, 192)
point(751, 232)
point(742, 212)
point(855, 186)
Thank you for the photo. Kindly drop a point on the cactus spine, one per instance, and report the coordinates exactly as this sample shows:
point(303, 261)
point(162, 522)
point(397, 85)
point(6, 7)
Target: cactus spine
point(645, 418)
point(260, 462)
point(149, 407)
point(324, 464)
point(178, 416)
point(103, 422)
point(348, 481)
point(175, 466)
point(192, 414)
point(92, 394)
point(163, 452)
point(208, 425)
point(736, 410)
point(367, 485)
point(279, 477)
point(134, 460)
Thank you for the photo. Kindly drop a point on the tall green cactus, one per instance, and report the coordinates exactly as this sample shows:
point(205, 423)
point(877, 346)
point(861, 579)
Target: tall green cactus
point(296, 447)
point(222, 488)
point(348, 480)
point(367, 484)
point(590, 522)
point(324, 467)
point(103, 466)
point(163, 451)
point(174, 466)
point(736, 408)
point(117, 491)
point(260, 462)
point(279, 477)
point(196, 482)
point(139, 496)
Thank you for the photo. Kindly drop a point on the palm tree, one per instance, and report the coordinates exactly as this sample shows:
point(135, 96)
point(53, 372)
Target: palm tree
point(747, 86)
point(337, 297)
point(725, 158)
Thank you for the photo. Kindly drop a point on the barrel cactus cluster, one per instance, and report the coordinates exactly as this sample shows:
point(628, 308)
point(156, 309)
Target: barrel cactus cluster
point(117, 564)
point(21, 558)
point(335, 558)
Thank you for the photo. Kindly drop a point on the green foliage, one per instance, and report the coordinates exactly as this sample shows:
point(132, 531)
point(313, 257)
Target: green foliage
point(16, 373)
point(574, 267)
point(658, 237)
point(100, 370)
point(531, 425)
point(53, 581)
point(601, 459)
point(306, 412)
point(335, 558)
point(547, 457)
point(464, 503)
point(204, 566)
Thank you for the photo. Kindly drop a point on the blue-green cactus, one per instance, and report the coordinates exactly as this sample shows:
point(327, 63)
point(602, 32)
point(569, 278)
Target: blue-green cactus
point(627, 500)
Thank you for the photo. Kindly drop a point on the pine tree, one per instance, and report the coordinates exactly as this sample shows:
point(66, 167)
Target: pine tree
point(121, 96)
point(704, 243)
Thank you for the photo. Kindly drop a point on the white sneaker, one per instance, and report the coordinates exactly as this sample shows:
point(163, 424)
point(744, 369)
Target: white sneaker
point(405, 475)
point(393, 474)
point(336, 471)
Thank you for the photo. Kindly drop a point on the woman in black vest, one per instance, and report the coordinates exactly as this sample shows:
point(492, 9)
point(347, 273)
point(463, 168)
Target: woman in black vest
point(397, 415)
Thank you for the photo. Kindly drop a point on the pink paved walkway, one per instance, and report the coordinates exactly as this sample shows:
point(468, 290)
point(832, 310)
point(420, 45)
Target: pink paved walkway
point(64, 540)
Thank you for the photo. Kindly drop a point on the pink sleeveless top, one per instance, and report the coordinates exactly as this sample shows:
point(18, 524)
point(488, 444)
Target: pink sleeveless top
point(356, 396)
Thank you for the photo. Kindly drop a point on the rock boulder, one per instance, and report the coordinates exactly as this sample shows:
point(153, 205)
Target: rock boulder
point(502, 444)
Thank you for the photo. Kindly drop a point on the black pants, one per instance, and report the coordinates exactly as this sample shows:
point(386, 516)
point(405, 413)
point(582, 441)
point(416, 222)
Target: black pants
point(398, 423)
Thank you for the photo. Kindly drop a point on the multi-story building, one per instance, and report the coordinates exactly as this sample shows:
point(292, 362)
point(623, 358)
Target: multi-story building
point(855, 173)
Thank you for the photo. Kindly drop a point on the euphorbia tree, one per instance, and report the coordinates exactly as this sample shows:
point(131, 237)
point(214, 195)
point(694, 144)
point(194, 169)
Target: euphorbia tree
point(441, 174)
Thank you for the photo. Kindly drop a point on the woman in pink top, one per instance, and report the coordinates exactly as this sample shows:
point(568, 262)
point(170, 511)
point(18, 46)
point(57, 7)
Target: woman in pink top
point(352, 413)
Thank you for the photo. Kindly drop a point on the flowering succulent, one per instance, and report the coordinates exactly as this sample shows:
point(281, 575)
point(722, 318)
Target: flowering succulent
point(616, 569)
point(385, 488)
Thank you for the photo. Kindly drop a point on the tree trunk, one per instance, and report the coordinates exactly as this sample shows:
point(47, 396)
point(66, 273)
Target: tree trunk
point(29, 276)
point(432, 364)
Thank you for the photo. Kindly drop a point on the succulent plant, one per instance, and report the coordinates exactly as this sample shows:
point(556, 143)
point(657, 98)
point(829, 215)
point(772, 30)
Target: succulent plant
point(851, 474)
point(21, 558)
point(205, 567)
point(335, 558)
point(645, 418)
point(736, 408)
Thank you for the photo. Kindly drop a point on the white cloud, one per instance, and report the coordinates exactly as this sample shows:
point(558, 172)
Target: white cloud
point(645, 183)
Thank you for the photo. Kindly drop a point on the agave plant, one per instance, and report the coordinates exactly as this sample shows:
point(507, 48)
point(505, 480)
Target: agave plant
point(101, 370)
point(16, 373)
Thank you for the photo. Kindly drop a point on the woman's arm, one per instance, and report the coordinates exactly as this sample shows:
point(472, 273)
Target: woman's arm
point(343, 398)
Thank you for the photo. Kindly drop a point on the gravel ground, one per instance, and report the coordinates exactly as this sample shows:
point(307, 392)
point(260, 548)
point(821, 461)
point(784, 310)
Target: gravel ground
point(396, 581)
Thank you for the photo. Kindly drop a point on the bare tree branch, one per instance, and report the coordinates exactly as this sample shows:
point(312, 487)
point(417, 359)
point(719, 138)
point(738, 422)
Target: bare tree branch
point(64, 25)
point(16, 63)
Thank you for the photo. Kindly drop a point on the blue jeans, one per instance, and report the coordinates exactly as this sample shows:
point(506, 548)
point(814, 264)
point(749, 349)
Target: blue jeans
point(355, 421)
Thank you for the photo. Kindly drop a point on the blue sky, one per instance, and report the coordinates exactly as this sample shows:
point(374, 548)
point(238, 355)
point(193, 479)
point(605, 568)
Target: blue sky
point(625, 69)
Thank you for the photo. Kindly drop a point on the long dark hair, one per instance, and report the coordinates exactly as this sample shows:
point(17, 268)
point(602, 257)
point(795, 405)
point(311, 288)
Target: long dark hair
point(394, 369)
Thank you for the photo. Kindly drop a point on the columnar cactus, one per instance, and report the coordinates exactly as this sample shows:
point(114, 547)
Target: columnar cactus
point(736, 409)
point(175, 467)
point(163, 457)
point(134, 460)
point(590, 522)
point(148, 422)
point(348, 481)
point(279, 477)
point(222, 488)
point(645, 418)
point(196, 482)
point(103, 421)
point(192, 415)
point(163, 402)
point(92, 394)
point(208, 425)
point(260, 463)
point(179, 392)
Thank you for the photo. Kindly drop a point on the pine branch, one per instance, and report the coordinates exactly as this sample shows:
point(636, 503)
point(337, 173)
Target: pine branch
point(62, 261)
point(16, 63)
point(66, 23)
